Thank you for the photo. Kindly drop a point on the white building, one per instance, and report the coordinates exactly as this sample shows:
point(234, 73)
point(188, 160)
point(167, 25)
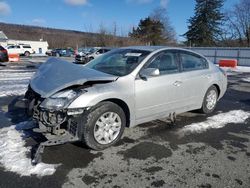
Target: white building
point(40, 47)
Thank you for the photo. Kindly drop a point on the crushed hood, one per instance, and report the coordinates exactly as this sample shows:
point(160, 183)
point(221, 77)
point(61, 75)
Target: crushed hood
point(55, 75)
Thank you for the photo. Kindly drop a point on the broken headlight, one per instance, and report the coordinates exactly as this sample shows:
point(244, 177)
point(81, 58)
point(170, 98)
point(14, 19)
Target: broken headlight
point(60, 100)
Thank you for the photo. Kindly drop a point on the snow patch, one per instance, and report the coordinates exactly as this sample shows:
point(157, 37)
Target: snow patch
point(246, 79)
point(13, 153)
point(238, 69)
point(14, 82)
point(215, 122)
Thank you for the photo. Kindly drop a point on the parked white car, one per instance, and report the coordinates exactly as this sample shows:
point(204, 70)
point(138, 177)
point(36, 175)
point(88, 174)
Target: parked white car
point(22, 49)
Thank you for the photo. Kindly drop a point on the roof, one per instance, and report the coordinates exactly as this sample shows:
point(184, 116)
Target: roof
point(155, 48)
point(147, 48)
point(3, 36)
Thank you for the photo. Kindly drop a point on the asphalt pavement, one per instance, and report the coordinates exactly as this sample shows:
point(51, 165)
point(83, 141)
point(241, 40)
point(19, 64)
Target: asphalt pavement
point(198, 151)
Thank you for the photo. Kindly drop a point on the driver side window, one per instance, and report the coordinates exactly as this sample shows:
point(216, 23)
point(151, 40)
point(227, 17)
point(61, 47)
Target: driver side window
point(166, 62)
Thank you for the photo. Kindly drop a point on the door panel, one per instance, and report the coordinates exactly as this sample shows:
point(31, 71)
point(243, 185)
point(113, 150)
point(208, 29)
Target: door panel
point(195, 86)
point(196, 76)
point(157, 96)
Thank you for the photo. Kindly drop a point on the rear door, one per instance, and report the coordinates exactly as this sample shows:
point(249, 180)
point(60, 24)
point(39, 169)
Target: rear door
point(157, 96)
point(11, 49)
point(195, 78)
point(18, 49)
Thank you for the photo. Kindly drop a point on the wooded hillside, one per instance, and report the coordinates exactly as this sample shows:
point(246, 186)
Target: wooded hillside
point(59, 38)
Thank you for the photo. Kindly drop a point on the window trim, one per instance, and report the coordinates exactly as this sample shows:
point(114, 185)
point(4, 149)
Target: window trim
point(175, 53)
point(192, 54)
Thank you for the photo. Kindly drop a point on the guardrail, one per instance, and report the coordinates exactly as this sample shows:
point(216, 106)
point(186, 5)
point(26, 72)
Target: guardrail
point(242, 55)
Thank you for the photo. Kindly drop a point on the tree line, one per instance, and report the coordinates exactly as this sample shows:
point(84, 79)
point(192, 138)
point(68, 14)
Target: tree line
point(60, 38)
point(211, 25)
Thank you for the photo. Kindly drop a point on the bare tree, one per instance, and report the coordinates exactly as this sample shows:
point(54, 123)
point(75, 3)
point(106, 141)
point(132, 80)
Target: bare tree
point(161, 14)
point(238, 22)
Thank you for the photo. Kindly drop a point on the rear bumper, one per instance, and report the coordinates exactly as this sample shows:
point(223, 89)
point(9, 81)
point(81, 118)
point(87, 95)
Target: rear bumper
point(223, 88)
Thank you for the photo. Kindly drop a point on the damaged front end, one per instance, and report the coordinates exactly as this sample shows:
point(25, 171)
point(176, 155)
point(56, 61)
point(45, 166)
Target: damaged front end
point(52, 89)
point(54, 121)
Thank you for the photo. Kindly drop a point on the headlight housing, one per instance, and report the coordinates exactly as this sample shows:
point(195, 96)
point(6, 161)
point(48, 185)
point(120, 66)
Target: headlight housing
point(61, 100)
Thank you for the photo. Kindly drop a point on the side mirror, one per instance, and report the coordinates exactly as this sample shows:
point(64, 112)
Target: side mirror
point(149, 72)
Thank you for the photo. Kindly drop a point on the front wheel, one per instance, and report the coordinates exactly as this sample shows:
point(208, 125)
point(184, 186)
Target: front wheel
point(103, 126)
point(210, 100)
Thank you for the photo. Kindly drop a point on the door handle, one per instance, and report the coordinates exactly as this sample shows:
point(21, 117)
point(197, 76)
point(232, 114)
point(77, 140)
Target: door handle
point(177, 83)
point(208, 76)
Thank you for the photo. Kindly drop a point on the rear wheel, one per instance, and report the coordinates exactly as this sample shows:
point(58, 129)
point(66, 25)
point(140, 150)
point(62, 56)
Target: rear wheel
point(210, 100)
point(103, 126)
point(27, 54)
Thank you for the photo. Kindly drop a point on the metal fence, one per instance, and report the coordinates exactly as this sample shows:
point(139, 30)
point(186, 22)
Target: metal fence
point(215, 54)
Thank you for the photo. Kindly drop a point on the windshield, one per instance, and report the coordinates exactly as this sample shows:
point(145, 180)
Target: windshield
point(84, 50)
point(92, 50)
point(119, 62)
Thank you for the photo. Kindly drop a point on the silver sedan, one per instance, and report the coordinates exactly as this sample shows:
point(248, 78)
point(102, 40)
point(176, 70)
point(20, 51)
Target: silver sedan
point(123, 88)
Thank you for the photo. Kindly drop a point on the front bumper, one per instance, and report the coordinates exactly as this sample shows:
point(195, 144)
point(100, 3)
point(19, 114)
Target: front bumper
point(81, 59)
point(57, 126)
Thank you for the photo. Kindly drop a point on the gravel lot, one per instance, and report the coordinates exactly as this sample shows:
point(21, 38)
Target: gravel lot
point(199, 151)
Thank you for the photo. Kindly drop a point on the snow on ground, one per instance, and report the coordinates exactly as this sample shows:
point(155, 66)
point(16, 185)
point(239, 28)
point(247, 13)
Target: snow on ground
point(215, 122)
point(238, 69)
point(13, 153)
point(14, 81)
point(246, 79)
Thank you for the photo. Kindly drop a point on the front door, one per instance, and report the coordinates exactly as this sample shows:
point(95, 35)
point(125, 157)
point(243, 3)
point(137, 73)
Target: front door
point(156, 96)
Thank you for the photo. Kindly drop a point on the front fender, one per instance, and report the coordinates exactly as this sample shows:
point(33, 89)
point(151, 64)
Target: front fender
point(93, 96)
point(122, 89)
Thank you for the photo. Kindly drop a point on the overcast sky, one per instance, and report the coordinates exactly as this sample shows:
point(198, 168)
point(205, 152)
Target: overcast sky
point(87, 15)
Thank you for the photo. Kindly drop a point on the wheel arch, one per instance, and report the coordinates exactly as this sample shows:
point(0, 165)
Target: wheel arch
point(218, 89)
point(27, 52)
point(124, 107)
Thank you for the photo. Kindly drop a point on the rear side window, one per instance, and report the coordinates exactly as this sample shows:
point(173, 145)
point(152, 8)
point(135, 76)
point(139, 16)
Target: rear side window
point(11, 47)
point(192, 62)
point(1, 48)
point(106, 50)
point(100, 51)
point(166, 63)
point(26, 46)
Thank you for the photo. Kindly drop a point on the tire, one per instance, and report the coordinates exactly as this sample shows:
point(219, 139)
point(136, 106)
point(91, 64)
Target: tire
point(210, 100)
point(27, 54)
point(93, 134)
